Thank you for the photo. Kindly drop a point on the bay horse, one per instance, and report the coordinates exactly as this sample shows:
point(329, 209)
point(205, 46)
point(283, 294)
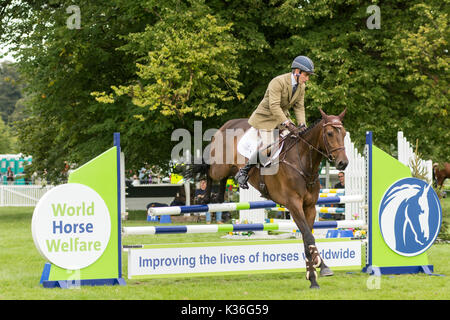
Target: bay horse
point(295, 185)
point(440, 173)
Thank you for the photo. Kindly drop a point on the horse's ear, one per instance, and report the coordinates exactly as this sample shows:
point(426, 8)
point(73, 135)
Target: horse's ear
point(341, 116)
point(324, 115)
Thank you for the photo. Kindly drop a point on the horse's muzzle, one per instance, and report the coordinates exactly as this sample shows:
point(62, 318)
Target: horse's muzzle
point(341, 164)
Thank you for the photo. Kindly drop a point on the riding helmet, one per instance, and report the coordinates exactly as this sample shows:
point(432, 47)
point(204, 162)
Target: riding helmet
point(304, 64)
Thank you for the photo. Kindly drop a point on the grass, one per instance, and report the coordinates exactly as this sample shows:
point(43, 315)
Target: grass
point(21, 267)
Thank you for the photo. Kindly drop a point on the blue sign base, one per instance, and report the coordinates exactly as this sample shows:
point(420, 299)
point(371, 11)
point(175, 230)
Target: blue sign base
point(378, 271)
point(67, 284)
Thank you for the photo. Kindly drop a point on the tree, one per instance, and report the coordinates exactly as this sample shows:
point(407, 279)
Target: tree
point(10, 90)
point(61, 67)
point(163, 64)
point(421, 54)
point(6, 139)
point(186, 62)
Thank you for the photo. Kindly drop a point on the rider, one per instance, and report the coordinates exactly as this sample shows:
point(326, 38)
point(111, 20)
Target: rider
point(273, 111)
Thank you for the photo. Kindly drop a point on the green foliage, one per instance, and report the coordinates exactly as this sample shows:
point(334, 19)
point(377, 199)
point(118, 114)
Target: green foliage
point(187, 62)
point(10, 94)
point(10, 90)
point(6, 139)
point(421, 54)
point(147, 67)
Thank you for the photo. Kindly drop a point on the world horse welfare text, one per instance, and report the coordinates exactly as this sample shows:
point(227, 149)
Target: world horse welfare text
point(58, 227)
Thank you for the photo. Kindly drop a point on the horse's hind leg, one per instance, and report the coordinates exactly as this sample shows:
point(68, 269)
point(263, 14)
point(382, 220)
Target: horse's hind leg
point(221, 195)
point(310, 215)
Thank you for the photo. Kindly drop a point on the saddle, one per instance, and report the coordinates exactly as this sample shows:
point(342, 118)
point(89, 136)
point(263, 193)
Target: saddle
point(252, 141)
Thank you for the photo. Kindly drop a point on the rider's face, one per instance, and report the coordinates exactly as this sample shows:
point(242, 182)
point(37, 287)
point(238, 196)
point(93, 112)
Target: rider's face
point(301, 76)
point(304, 76)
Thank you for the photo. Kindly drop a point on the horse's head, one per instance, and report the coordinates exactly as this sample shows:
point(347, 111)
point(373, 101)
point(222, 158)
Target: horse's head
point(421, 217)
point(333, 139)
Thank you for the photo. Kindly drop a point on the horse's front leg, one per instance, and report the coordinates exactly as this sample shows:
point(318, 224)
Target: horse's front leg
point(310, 215)
point(313, 259)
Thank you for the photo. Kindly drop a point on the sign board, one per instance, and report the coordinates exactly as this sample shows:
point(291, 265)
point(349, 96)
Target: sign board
point(404, 216)
point(76, 226)
point(178, 260)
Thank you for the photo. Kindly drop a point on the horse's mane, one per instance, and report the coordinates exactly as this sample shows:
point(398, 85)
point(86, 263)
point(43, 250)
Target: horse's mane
point(309, 128)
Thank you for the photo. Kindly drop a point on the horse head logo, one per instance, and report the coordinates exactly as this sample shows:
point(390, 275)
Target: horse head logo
point(410, 216)
point(423, 215)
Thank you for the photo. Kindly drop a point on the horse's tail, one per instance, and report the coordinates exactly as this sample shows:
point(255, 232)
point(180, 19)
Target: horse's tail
point(195, 170)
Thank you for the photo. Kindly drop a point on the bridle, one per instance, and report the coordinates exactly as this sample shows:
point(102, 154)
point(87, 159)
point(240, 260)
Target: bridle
point(335, 123)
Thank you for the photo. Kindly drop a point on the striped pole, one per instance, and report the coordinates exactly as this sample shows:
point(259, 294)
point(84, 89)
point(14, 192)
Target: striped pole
point(330, 194)
point(332, 191)
point(233, 206)
point(214, 228)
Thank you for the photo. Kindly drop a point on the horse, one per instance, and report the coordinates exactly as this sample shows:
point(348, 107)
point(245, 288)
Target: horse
point(439, 175)
point(295, 184)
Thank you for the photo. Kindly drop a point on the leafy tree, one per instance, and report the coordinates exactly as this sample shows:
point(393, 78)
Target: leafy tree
point(187, 62)
point(62, 67)
point(161, 65)
point(421, 54)
point(6, 139)
point(10, 90)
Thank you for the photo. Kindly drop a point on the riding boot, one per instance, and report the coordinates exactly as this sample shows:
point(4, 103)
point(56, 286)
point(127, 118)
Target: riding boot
point(242, 175)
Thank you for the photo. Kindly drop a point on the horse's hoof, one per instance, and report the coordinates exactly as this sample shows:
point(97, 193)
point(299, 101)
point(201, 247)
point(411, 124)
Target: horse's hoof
point(314, 286)
point(326, 272)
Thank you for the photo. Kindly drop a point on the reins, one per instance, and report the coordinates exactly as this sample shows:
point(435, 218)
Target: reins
point(311, 177)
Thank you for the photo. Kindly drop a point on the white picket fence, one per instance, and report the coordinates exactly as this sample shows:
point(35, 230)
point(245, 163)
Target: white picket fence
point(355, 180)
point(255, 215)
point(21, 195)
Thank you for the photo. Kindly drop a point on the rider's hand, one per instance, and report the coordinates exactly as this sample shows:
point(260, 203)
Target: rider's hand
point(302, 127)
point(293, 129)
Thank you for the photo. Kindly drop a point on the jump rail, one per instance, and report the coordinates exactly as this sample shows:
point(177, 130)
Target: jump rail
point(214, 228)
point(232, 206)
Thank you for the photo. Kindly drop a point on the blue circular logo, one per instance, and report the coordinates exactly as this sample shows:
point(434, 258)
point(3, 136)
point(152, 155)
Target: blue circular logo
point(410, 216)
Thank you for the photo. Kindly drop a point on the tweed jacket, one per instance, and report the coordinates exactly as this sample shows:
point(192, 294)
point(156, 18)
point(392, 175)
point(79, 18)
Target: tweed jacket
point(278, 100)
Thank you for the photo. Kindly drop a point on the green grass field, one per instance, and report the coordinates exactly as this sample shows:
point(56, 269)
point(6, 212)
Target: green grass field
point(21, 267)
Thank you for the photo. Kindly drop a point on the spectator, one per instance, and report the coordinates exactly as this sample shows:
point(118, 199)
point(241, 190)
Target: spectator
point(142, 175)
point(341, 184)
point(199, 195)
point(136, 181)
point(180, 198)
point(10, 176)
